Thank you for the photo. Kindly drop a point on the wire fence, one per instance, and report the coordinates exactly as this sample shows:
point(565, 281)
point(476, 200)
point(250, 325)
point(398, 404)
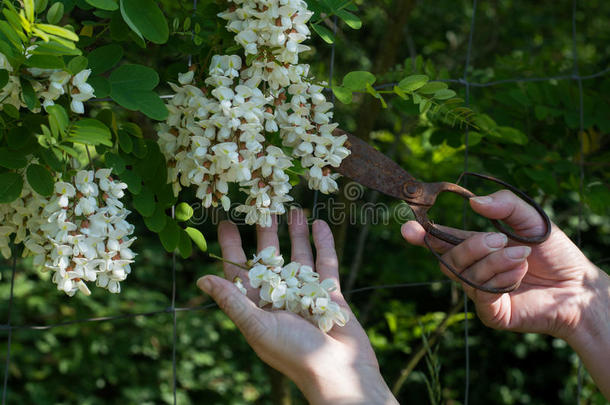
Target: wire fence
point(173, 310)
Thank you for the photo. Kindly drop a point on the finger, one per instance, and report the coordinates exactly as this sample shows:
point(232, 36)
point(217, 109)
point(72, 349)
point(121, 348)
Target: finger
point(500, 269)
point(506, 206)
point(267, 236)
point(243, 312)
point(474, 249)
point(232, 250)
point(327, 264)
point(299, 237)
point(414, 233)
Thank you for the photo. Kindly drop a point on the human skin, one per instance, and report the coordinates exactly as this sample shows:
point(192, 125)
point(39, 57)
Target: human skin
point(561, 292)
point(339, 367)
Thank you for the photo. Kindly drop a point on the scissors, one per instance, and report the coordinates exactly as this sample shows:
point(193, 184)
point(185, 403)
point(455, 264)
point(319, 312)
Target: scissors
point(373, 169)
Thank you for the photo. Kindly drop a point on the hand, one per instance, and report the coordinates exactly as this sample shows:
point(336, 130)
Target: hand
point(561, 292)
point(339, 367)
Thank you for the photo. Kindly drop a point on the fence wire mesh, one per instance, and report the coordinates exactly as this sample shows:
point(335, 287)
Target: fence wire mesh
point(172, 310)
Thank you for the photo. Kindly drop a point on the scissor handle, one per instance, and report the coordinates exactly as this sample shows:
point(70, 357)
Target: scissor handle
point(432, 190)
point(429, 192)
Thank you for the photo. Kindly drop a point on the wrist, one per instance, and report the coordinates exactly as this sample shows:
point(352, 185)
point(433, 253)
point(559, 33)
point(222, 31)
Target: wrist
point(594, 325)
point(346, 386)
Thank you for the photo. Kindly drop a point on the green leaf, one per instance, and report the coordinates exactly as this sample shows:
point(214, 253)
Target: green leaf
point(11, 111)
point(40, 5)
point(412, 83)
point(170, 235)
point(18, 137)
point(144, 202)
point(135, 77)
point(101, 86)
point(198, 238)
point(131, 87)
point(145, 19)
point(58, 31)
point(55, 13)
point(157, 221)
point(133, 181)
point(125, 141)
point(115, 162)
point(58, 120)
point(104, 58)
point(344, 95)
point(511, 135)
point(3, 78)
point(77, 64)
point(12, 159)
point(352, 20)
point(358, 80)
point(376, 94)
point(324, 33)
point(444, 94)
point(474, 138)
point(401, 93)
point(54, 48)
point(29, 95)
point(11, 184)
point(29, 7)
point(40, 179)
point(185, 246)
point(45, 62)
point(90, 131)
point(52, 158)
point(184, 212)
point(109, 5)
point(432, 87)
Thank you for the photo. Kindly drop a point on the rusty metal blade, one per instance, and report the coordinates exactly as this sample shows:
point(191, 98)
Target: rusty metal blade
point(373, 169)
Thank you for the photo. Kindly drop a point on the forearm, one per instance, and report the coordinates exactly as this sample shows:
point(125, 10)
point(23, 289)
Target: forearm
point(347, 387)
point(592, 340)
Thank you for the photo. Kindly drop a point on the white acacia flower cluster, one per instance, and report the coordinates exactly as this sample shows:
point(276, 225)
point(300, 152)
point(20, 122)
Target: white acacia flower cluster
point(80, 234)
point(295, 288)
point(222, 131)
point(23, 219)
point(49, 85)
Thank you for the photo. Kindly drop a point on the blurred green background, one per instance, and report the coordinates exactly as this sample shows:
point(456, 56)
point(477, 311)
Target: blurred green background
point(128, 361)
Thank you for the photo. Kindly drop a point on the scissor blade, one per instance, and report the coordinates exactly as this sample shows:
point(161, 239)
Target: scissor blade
point(373, 169)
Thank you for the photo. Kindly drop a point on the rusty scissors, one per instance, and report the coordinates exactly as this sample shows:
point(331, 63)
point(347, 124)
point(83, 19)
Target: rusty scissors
point(376, 171)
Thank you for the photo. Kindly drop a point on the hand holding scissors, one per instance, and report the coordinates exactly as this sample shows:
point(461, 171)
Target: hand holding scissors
point(373, 169)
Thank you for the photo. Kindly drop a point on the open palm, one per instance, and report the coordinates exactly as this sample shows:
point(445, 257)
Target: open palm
point(282, 339)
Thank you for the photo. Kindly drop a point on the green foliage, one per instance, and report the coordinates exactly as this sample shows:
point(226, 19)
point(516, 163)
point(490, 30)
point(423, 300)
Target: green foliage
point(132, 87)
point(145, 19)
point(526, 133)
point(11, 185)
point(40, 179)
point(197, 238)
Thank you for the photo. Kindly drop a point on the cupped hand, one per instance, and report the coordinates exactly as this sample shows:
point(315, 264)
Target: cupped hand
point(338, 367)
point(558, 284)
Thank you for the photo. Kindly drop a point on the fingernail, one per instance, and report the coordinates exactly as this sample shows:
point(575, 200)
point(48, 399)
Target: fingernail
point(496, 240)
point(518, 252)
point(205, 284)
point(482, 200)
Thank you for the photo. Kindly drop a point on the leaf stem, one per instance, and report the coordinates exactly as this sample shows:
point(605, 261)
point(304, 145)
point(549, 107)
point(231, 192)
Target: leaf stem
point(89, 156)
point(222, 259)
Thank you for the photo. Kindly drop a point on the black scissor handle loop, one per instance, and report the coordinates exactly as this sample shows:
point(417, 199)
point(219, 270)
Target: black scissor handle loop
point(431, 192)
point(506, 230)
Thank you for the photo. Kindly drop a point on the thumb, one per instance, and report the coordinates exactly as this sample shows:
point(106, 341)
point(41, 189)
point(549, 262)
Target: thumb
point(516, 213)
point(242, 311)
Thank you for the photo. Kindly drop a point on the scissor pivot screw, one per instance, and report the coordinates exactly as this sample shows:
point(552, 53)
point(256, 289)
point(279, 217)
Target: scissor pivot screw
point(411, 189)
